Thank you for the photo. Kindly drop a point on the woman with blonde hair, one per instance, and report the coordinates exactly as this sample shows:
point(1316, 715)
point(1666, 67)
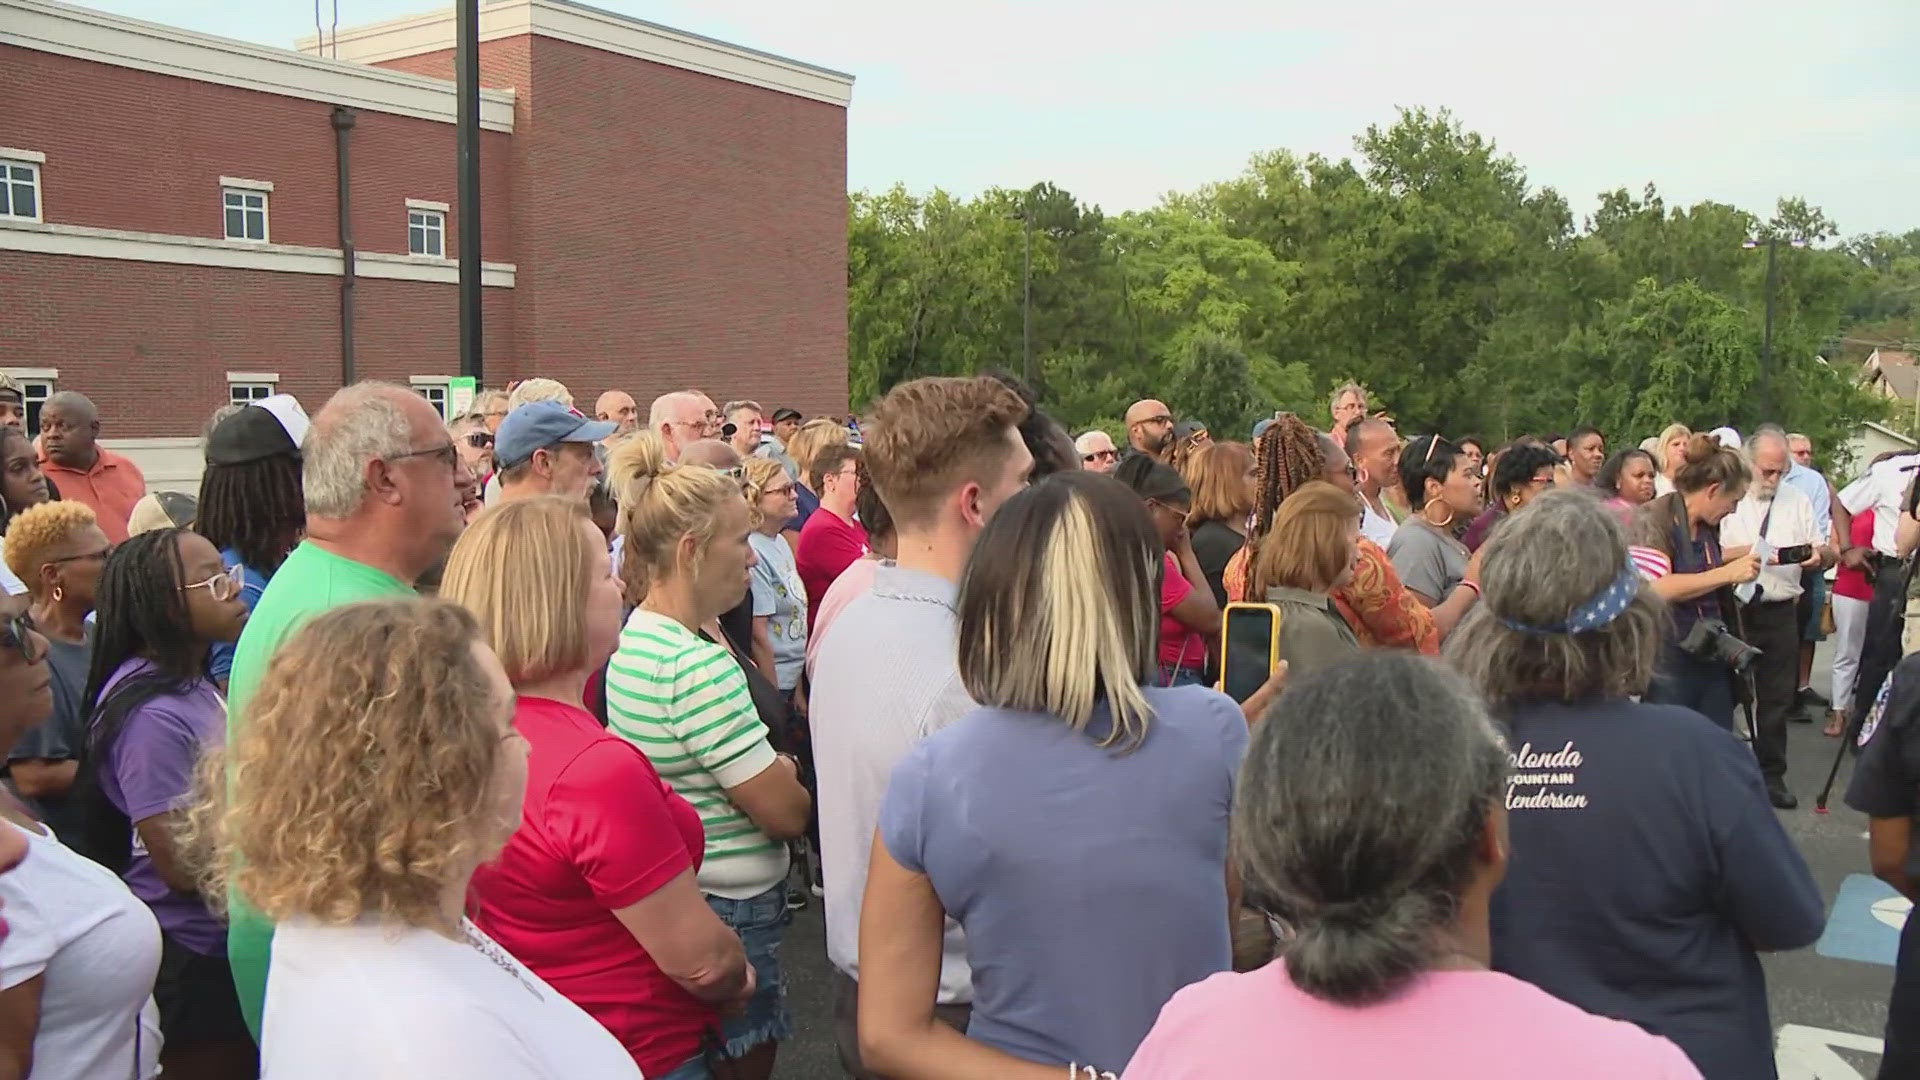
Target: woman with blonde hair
point(678, 693)
point(1074, 946)
point(604, 860)
point(1311, 551)
point(58, 550)
point(779, 598)
point(1221, 476)
point(378, 767)
point(1670, 454)
point(814, 436)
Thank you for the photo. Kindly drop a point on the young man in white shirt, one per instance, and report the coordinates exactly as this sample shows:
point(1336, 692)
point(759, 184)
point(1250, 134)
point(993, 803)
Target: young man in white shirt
point(944, 454)
point(1774, 517)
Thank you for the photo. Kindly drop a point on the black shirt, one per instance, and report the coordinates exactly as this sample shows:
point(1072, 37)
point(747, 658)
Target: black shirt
point(1214, 543)
point(1886, 780)
point(1646, 869)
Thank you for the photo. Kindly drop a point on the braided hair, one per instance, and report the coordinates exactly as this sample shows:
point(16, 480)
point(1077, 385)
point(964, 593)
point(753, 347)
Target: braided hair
point(1287, 455)
point(255, 508)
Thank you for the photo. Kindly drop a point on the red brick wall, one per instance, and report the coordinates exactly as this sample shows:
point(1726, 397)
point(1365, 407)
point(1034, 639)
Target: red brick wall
point(151, 343)
point(671, 229)
point(141, 151)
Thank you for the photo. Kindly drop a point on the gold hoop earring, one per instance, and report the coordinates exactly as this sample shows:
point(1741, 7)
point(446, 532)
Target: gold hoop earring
point(1428, 518)
point(59, 594)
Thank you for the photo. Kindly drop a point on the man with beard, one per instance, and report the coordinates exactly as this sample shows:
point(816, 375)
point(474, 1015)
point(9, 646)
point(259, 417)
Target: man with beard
point(1150, 429)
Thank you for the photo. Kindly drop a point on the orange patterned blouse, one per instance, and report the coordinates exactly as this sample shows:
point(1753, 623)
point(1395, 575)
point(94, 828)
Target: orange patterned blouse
point(1381, 611)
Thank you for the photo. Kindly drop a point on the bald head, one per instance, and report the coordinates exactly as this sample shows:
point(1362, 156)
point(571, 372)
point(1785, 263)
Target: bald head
point(70, 430)
point(1150, 427)
point(379, 472)
point(682, 418)
point(618, 406)
point(712, 453)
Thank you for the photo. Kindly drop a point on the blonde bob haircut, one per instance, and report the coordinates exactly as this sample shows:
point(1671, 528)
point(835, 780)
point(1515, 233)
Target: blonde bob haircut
point(1059, 607)
point(1217, 475)
point(757, 475)
point(360, 777)
point(524, 568)
point(1667, 435)
point(657, 509)
point(814, 436)
point(1310, 543)
point(40, 534)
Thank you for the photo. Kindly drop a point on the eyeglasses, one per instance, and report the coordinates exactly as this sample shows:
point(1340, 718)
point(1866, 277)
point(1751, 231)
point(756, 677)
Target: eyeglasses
point(101, 555)
point(224, 585)
point(736, 472)
point(447, 454)
point(479, 440)
point(1101, 455)
point(16, 633)
point(783, 489)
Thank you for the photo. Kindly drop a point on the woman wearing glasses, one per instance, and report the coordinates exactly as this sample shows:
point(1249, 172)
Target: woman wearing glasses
point(165, 599)
point(1521, 472)
point(58, 550)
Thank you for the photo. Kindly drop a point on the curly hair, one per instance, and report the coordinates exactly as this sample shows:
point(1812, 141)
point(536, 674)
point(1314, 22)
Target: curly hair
point(38, 532)
point(757, 475)
point(256, 508)
point(362, 772)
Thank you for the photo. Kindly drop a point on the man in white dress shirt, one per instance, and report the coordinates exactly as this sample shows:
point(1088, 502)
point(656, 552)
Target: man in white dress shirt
point(1774, 517)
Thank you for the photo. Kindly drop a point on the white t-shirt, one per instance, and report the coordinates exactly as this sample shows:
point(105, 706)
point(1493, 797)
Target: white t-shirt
point(375, 1001)
point(97, 945)
point(1376, 526)
point(1883, 490)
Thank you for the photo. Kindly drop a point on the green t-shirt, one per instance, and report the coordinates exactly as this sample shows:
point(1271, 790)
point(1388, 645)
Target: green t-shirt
point(310, 581)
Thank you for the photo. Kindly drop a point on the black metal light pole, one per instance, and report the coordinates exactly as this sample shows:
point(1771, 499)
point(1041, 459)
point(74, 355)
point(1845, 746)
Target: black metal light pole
point(466, 64)
point(1026, 302)
point(1772, 243)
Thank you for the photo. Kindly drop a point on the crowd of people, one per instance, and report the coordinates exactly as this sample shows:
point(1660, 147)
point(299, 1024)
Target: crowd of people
point(507, 745)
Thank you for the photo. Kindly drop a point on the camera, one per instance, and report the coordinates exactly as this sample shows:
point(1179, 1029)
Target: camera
point(1709, 640)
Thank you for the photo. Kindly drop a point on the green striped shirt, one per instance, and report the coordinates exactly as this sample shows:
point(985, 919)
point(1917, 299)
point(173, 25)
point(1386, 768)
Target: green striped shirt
point(683, 701)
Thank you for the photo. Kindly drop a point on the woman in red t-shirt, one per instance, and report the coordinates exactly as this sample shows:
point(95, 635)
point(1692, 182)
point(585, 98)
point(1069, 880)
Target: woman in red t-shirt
point(596, 891)
point(1189, 615)
point(1852, 595)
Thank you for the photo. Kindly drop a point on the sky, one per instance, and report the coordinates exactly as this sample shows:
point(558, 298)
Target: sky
point(1121, 101)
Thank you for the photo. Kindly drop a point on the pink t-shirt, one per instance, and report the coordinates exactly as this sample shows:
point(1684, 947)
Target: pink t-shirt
point(1469, 1025)
point(1178, 645)
point(854, 582)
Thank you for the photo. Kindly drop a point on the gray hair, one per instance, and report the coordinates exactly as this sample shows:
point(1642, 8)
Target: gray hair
point(220, 414)
point(1553, 555)
point(361, 423)
point(539, 390)
point(1361, 806)
point(735, 406)
point(1767, 431)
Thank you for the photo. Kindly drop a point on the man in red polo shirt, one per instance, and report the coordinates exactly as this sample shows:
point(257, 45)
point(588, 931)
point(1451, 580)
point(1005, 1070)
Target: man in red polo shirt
point(830, 541)
point(72, 457)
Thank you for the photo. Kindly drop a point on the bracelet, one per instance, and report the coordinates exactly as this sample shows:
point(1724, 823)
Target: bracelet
point(1474, 585)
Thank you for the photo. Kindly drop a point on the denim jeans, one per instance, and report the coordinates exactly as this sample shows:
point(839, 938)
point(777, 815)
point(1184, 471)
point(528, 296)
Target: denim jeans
point(761, 921)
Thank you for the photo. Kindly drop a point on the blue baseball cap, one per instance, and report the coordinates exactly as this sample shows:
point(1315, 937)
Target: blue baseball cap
point(543, 423)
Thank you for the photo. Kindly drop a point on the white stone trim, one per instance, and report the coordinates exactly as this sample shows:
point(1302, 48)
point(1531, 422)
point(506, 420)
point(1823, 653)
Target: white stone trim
point(253, 377)
point(48, 26)
point(429, 204)
point(34, 374)
point(429, 380)
point(88, 242)
point(241, 183)
point(604, 30)
point(12, 153)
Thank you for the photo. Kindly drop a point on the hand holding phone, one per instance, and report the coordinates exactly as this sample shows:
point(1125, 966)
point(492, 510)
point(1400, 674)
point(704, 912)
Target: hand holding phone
point(1793, 556)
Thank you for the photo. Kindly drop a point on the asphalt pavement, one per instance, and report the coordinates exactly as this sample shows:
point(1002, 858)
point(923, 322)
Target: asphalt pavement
point(1829, 1001)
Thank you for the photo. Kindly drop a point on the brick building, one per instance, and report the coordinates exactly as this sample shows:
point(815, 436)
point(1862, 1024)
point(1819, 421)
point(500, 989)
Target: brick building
point(660, 210)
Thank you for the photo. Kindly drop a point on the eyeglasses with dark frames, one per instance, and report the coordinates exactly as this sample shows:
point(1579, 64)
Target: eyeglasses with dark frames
point(17, 633)
point(479, 440)
point(446, 452)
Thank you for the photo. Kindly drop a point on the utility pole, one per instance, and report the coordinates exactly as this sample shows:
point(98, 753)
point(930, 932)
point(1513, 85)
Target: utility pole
point(1026, 303)
point(1772, 243)
point(466, 65)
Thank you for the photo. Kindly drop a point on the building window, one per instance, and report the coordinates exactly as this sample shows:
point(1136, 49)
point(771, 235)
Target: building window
point(19, 188)
point(434, 389)
point(36, 386)
point(427, 233)
point(245, 205)
point(247, 387)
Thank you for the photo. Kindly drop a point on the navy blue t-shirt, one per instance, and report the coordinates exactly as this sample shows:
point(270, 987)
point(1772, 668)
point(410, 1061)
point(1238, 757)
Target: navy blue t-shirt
point(805, 503)
point(1886, 781)
point(1646, 868)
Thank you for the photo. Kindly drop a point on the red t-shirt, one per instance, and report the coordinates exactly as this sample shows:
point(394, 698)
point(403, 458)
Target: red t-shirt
point(1853, 583)
point(828, 545)
point(600, 831)
point(1178, 645)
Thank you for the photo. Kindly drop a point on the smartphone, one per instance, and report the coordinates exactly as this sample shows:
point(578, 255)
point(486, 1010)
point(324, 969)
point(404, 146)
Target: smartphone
point(1793, 556)
point(1249, 648)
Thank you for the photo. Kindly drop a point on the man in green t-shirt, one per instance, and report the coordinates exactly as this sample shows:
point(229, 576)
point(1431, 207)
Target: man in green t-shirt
point(382, 510)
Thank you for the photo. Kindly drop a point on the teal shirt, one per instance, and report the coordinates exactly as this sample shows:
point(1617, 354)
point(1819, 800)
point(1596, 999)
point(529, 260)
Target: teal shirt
point(310, 581)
